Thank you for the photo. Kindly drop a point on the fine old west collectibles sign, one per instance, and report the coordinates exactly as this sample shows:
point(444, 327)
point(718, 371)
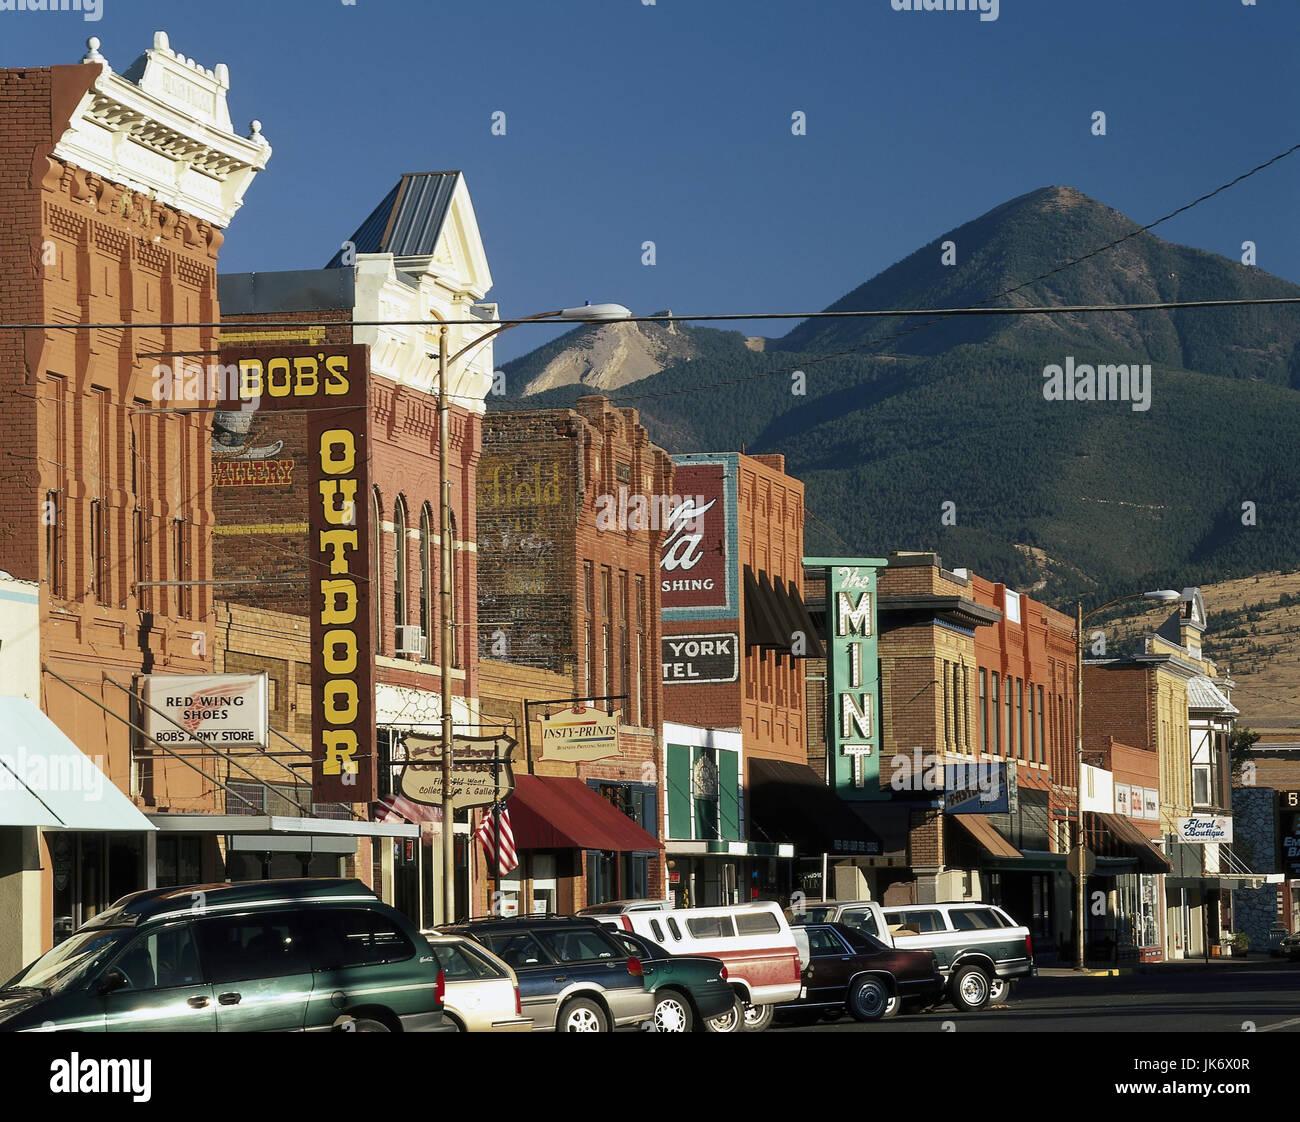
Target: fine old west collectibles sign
point(701, 659)
point(328, 383)
point(580, 734)
point(480, 770)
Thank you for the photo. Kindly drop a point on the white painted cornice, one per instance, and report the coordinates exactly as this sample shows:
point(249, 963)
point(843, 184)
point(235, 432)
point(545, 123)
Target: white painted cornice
point(164, 128)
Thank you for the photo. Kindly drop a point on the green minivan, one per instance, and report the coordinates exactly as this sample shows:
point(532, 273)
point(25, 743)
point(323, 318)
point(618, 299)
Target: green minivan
point(260, 956)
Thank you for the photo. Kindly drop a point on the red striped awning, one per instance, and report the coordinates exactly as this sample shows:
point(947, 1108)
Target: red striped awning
point(548, 812)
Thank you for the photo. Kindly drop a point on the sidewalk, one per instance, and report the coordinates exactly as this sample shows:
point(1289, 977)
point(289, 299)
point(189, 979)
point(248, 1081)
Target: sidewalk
point(1106, 970)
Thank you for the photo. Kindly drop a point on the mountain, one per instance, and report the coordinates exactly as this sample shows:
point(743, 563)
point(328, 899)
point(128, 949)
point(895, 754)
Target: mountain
point(897, 418)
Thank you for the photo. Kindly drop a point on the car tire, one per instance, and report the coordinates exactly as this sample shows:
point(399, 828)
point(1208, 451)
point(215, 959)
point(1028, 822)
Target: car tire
point(868, 1000)
point(581, 1015)
point(969, 989)
point(756, 1018)
point(1000, 991)
point(673, 1013)
point(729, 1021)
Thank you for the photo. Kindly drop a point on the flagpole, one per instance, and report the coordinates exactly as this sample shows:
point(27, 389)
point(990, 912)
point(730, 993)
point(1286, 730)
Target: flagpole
point(496, 817)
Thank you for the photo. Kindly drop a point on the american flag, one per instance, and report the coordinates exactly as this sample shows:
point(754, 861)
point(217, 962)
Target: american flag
point(396, 807)
point(486, 834)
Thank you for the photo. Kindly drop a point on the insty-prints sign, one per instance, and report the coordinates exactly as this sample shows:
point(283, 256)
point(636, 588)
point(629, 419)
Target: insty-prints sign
point(701, 659)
point(580, 734)
point(329, 384)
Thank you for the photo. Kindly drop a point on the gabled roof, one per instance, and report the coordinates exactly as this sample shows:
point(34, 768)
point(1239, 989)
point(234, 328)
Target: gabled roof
point(409, 220)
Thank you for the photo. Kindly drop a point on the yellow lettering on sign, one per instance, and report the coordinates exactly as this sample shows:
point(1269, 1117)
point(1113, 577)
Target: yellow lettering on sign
point(279, 378)
point(331, 490)
point(340, 637)
point(336, 375)
point(343, 690)
point(340, 748)
point(305, 379)
point(335, 542)
point(250, 378)
point(331, 614)
point(332, 463)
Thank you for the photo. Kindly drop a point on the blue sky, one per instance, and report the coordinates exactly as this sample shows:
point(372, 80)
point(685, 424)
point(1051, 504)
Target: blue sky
point(670, 122)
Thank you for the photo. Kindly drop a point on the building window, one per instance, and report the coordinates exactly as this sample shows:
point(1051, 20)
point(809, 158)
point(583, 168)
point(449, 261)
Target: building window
point(53, 516)
point(1033, 732)
point(1006, 698)
point(960, 732)
point(426, 580)
point(625, 667)
point(1042, 730)
point(1200, 785)
point(640, 601)
point(376, 574)
point(606, 592)
point(588, 586)
point(589, 662)
point(178, 567)
point(983, 716)
point(399, 562)
point(452, 617)
point(1020, 717)
point(996, 718)
point(622, 595)
point(640, 679)
point(947, 708)
point(607, 647)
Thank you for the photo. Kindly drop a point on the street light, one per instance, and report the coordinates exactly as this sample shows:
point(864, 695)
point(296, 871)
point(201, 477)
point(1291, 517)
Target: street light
point(588, 313)
point(1159, 596)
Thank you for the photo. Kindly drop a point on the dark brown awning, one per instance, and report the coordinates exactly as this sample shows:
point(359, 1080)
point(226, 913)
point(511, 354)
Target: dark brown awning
point(1115, 835)
point(775, 615)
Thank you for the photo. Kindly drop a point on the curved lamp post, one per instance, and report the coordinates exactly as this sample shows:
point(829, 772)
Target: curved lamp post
point(588, 313)
point(1160, 596)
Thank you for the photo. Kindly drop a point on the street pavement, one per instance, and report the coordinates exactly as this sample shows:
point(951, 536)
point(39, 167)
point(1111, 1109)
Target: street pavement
point(1261, 995)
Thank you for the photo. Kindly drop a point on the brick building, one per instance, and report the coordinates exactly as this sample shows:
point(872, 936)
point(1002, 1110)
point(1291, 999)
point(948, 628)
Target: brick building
point(115, 190)
point(417, 256)
point(569, 533)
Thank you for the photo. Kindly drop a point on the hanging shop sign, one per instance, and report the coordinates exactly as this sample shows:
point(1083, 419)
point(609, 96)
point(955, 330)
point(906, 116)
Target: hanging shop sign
point(329, 383)
point(480, 770)
point(187, 710)
point(1203, 828)
point(580, 734)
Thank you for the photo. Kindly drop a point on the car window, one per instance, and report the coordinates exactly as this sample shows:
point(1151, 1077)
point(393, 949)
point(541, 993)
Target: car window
point(461, 964)
point(973, 919)
point(348, 938)
point(241, 948)
point(710, 927)
point(861, 941)
point(81, 952)
point(657, 930)
point(516, 948)
point(159, 960)
point(923, 920)
point(628, 944)
point(823, 941)
point(757, 923)
point(674, 929)
point(861, 920)
point(579, 945)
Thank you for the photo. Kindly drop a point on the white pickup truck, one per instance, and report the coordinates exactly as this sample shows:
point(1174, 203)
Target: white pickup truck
point(981, 950)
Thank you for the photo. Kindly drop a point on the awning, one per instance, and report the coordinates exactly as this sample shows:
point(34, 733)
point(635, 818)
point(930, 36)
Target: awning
point(984, 834)
point(763, 626)
point(775, 614)
point(893, 825)
point(797, 611)
point(789, 802)
point(547, 812)
point(46, 780)
point(285, 824)
point(1115, 832)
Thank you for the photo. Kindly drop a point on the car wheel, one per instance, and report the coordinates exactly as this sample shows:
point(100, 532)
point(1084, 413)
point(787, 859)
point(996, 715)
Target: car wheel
point(999, 991)
point(868, 1000)
point(757, 1017)
point(582, 1015)
point(969, 989)
point(673, 1013)
point(730, 1021)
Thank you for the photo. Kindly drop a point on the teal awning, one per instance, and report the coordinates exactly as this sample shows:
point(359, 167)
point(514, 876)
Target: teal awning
point(47, 781)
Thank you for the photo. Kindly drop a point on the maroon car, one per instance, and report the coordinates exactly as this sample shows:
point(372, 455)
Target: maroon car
point(849, 969)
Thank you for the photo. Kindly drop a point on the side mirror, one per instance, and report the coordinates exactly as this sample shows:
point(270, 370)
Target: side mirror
point(111, 980)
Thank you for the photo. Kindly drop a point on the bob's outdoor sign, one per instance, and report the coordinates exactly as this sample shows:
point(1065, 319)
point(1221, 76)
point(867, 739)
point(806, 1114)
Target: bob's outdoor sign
point(329, 383)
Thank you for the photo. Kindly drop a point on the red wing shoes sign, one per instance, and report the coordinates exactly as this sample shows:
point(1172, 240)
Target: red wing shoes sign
point(329, 384)
point(189, 710)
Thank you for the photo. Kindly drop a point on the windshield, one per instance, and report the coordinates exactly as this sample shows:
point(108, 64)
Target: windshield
point(64, 962)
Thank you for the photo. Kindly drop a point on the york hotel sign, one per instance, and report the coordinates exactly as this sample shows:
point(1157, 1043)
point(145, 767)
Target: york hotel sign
point(329, 384)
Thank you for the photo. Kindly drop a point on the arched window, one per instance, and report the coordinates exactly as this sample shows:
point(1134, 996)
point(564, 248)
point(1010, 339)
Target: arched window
point(399, 562)
point(376, 574)
point(455, 591)
point(426, 580)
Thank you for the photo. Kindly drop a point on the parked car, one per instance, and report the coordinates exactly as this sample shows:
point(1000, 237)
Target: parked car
point(690, 990)
point(753, 940)
point(257, 956)
point(847, 969)
point(617, 907)
point(573, 976)
point(981, 950)
point(481, 993)
point(1289, 947)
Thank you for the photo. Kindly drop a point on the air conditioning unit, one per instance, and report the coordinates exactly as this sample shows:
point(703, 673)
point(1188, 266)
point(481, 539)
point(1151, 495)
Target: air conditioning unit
point(410, 640)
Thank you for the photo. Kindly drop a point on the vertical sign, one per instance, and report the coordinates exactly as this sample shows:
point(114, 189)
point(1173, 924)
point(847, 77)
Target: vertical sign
point(329, 382)
point(853, 672)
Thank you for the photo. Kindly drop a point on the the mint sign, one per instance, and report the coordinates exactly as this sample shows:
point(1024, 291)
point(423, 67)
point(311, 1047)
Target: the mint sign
point(853, 675)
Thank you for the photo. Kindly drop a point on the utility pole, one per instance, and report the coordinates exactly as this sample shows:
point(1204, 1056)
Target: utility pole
point(444, 600)
point(1082, 874)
